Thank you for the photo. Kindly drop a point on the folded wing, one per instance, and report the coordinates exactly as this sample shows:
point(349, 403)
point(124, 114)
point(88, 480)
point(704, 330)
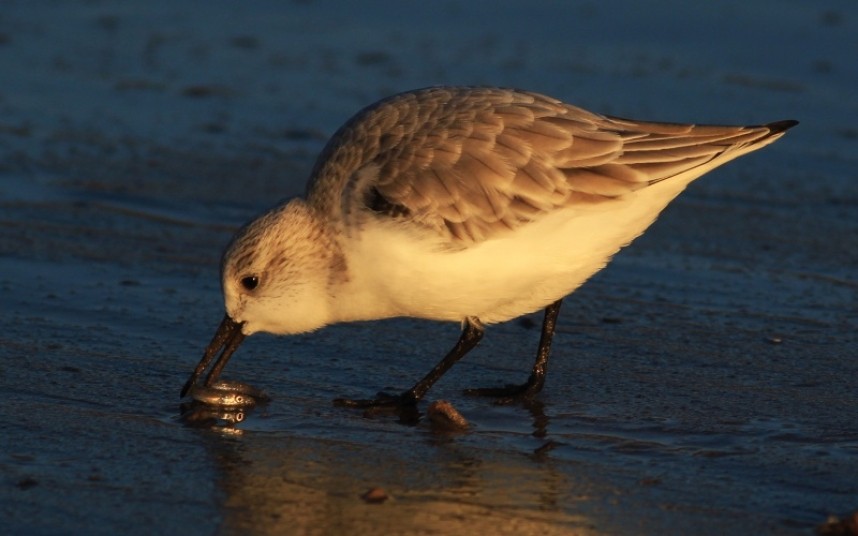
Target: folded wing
point(472, 163)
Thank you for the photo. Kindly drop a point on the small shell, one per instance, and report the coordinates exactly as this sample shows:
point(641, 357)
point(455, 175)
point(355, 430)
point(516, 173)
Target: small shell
point(241, 388)
point(444, 416)
point(228, 394)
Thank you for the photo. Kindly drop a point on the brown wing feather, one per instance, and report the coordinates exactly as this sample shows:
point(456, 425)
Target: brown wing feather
point(474, 162)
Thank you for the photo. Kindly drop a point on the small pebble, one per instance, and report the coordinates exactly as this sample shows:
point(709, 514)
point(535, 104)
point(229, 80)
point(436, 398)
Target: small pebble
point(375, 496)
point(835, 526)
point(443, 415)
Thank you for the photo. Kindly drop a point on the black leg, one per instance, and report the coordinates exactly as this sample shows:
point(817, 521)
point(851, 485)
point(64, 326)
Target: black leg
point(472, 332)
point(537, 378)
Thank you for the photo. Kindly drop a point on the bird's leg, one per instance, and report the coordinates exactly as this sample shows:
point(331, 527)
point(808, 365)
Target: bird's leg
point(472, 332)
point(537, 378)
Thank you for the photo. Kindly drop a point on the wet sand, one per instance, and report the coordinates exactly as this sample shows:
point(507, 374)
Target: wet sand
point(703, 383)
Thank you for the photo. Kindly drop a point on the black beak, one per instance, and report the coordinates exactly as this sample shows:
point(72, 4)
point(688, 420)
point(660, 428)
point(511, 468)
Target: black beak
point(228, 337)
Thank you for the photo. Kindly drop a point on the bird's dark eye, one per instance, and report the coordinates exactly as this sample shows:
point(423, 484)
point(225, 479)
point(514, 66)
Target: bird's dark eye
point(250, 282)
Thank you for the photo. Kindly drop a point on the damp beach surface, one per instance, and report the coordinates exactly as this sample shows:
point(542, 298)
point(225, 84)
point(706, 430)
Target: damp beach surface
point(702, 383)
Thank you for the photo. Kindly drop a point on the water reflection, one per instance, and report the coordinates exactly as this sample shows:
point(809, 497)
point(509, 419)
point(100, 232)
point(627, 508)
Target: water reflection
point(303, 466)
point(196, 414)
point(274, 483)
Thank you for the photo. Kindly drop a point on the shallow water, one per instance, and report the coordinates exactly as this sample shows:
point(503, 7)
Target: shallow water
point(703, 383)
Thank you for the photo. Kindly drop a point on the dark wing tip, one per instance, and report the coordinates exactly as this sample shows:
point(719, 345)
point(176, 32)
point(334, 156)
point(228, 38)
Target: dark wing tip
point(780, 126)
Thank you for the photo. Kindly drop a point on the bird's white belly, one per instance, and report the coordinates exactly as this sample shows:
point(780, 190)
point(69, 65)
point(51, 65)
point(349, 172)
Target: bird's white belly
point(395, 273)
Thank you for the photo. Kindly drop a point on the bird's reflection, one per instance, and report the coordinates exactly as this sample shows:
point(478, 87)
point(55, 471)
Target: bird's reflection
point(437, 480)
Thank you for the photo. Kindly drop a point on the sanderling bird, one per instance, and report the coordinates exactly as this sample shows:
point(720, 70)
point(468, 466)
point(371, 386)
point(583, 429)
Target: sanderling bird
point(467, 204)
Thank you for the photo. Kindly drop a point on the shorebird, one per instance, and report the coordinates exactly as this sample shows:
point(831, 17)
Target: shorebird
point(466, 204)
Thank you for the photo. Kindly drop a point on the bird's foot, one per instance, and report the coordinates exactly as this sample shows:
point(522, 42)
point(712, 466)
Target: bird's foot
point(509, 394)
point(382, 400)
point(403, 405)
